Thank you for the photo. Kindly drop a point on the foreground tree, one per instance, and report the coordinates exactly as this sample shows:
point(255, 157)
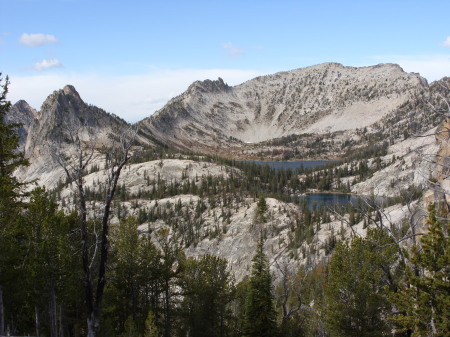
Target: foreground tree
point(10, 202)
point(208, 289)
point(50, 263)
point(423, 302)
point(355, 296)
point(259, 310)
point(75, 158)
point(134, 294)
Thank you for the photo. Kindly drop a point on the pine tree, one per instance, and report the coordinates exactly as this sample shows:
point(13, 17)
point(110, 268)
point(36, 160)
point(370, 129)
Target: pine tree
point(10, 159)
point(424, 300)
point(126, 270)
point(259, 310)
point(261, 210)
point(208, 289)
point(50, 263)
point(10, 204)
point(151, 329)
point(355, 296)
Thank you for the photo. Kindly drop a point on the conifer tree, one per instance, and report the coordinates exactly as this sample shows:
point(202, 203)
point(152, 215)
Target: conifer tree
point(10, 159)
point(208, 289)
point(356, 301)
point(126, 270)
point(259, 310)
point(10, 203)
point(50, 263)
point(151, 329)
point(423, 302)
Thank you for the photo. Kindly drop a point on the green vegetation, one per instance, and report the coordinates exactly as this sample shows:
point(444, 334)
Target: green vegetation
point(355, 296)
point(423, 300)
point(371, 286)
point(259, 310)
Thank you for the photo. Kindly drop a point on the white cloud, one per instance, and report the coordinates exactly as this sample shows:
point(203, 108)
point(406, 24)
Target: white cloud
point(446, 43)
point(47, 64)
point(257, 47)
point(232, 50)
point(37, 40)
point(130, 97)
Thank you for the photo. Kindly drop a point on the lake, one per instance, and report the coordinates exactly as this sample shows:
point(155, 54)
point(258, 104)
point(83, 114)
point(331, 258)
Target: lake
point(315, 200)
point(291, 164)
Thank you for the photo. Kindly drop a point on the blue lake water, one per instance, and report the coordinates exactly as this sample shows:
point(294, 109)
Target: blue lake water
point(315, 200)
point(292, 164)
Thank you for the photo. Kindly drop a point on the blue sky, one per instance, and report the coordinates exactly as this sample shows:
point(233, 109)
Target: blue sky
point(131, 57)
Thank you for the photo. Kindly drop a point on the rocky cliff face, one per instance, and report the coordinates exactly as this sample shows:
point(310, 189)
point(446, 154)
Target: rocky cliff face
point(320, 99)
point(22, 113)
point(62, 111)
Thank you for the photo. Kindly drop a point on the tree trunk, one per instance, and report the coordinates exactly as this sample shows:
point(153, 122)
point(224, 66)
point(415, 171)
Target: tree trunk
point(61, 329)
point(117, 157)
point(167, 309)
point(2, 313)
point(92, 325)
point(52, 311)
point(37, 322)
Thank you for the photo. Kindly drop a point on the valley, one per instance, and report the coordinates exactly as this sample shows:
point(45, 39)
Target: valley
point(216, 172)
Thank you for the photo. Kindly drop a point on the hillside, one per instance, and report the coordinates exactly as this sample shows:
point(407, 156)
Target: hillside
point(327, 99)
point(328, 111)
point(365, 116)
point(184, 227)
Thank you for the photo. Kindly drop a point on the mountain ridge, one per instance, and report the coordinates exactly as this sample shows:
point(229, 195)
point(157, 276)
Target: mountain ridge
point(327, 101)
point(294, 102)
point(210, 204)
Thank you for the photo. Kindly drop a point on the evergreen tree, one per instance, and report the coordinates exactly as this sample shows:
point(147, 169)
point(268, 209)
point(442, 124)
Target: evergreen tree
point(126, 272)
point(135, 290)
point(169, 273)
point(423, 301)
point(51, 263)
point(10, 159)
point(10, 206)
point(151, 329)
point(259, 311)
point(261, 210)
point(208, 289)
point(356, 301)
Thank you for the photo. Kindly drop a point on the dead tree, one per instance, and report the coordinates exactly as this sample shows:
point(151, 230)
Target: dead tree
point(291, 286)
point(291, 294)
point(75, 156)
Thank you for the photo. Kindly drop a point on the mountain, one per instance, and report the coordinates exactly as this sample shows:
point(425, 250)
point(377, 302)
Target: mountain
point(42, 130)
point(365, 116)
point(22, 113)
point(327, 98)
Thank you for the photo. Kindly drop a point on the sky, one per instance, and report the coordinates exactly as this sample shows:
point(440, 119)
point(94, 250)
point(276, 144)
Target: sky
point(131, 57)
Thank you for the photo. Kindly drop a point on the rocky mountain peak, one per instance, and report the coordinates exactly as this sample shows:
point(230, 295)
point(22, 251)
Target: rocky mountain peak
point(70, 90)
point(208, 86)
point(21, 113)
point(25, 108)
point(63, 111)
point(323, 98)
point(68, 97)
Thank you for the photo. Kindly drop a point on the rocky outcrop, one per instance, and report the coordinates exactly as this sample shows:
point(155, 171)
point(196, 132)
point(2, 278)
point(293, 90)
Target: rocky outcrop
point(42, 131)
point(22, 113)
